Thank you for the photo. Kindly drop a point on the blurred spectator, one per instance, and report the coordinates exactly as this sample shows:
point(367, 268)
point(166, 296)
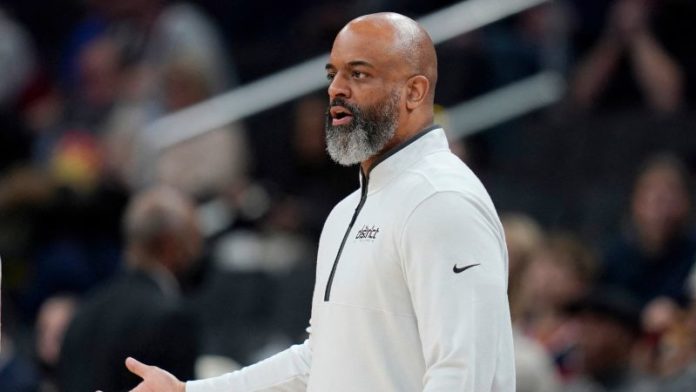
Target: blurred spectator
point(640, 59)
point(155, 33)
point(42, 110)
point(179, 30)
point(17, 74)
point(163, 57)
point(72, 235)
point(524, 238)
point(654, 255)
point(100, 75)
point(609, 327)
point(17, 62)
point(204, 166)
point(138, 313)
point(57, 115)
point(148, 33)
point(534, 368)
point(558, 274)
point(209, 164)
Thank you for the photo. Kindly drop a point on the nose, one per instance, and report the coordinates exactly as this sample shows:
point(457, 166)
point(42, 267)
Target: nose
point(338, 87)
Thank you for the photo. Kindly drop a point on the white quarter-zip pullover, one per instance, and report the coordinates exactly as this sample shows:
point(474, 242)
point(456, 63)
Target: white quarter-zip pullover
point(411, 288)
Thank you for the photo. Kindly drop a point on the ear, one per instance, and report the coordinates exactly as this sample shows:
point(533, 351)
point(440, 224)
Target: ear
point(417, 88)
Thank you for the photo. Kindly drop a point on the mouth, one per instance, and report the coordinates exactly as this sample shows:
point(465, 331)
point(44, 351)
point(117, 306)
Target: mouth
point(340, 115)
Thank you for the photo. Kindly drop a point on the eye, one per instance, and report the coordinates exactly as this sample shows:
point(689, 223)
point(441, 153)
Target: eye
point(358, 75)
point(330, 76)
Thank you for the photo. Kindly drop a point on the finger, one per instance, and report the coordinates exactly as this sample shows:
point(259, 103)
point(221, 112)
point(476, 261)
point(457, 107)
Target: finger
point(136, 367)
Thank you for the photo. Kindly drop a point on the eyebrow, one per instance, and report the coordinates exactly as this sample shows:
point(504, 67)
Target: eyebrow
point(354, 63)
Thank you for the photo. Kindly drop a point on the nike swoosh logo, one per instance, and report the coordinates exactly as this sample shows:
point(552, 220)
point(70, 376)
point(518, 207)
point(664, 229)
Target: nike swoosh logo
point(458, 270)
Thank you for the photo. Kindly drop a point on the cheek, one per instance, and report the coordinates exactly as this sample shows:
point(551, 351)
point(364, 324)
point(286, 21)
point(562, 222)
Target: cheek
point(375, 93)
point(367, 99)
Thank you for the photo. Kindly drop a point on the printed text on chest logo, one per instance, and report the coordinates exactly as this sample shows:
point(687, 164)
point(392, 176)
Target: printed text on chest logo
point(367, 233)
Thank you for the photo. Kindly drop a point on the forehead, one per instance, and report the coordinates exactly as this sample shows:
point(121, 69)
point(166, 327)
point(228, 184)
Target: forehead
point(370, 43)
point(660, 176)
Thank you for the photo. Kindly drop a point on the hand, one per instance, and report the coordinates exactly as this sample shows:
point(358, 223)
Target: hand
point(660, 314)
point(154, 378)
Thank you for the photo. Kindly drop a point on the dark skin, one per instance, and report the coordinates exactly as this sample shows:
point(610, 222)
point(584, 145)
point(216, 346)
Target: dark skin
point(377, 54)
point(372, 56)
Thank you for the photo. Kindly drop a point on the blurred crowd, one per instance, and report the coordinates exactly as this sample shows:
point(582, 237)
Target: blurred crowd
point(200, 258)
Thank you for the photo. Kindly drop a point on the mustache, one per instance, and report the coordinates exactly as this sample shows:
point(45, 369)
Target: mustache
point(354, 110)
point(342, 102)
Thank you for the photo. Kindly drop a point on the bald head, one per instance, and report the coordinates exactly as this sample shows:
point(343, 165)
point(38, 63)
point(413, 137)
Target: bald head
point(382, 72)
point(405, 41)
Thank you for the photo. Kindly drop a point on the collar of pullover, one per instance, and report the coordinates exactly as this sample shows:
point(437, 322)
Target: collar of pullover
point(403, 156)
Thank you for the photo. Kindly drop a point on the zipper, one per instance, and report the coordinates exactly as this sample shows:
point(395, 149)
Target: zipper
point(363, 197)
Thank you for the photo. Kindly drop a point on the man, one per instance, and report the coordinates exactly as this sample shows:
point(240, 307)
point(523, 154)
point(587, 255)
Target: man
point(139, 313)
point(411, 274)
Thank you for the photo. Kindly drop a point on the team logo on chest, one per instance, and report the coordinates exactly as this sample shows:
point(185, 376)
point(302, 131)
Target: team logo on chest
point(367, 233)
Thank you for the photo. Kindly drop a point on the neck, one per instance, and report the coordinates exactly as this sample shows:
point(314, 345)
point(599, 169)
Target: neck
point(142, 260)
point(163, 277)
point(400, 136)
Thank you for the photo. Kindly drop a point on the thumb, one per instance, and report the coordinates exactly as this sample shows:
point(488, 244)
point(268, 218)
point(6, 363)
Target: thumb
point(136, 367)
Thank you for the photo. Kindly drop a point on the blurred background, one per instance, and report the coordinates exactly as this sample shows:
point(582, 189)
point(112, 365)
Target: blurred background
point(577, 115)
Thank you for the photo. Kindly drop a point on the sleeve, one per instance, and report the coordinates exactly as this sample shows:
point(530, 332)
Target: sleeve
point(455, 264)
point(286, 371)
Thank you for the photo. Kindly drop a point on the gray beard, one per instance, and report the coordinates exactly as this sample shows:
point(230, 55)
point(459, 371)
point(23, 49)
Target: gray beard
point(366, 135)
